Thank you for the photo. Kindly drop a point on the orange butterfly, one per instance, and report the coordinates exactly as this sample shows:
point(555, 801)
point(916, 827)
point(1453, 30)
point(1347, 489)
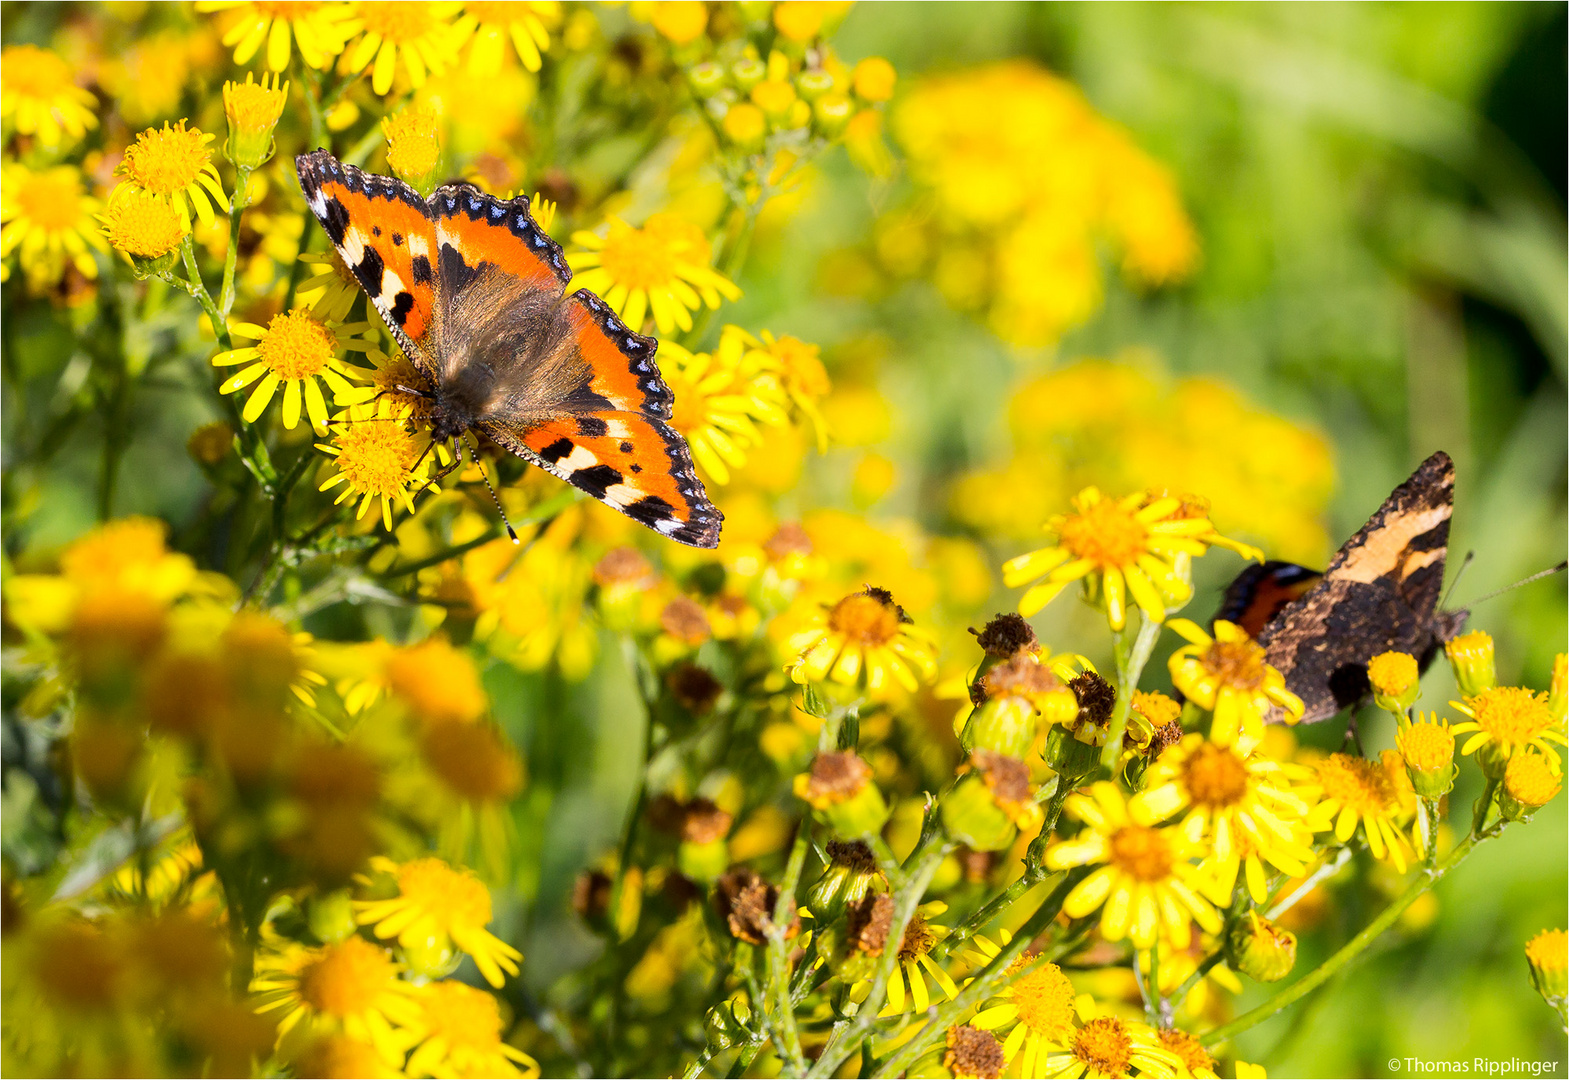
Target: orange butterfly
point(474, 292)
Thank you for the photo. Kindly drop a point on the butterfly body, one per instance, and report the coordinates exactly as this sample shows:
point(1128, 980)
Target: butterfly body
point(474, 293)
point(1379, 594)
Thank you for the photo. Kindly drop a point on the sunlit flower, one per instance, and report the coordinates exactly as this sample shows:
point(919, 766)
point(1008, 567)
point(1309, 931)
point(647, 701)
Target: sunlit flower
point(413, 145)
point(330, 288)
point(865, 638)
point(1394, 678)
point(350, 987)
point(1548, 955)
point(800, 371)
point(1037, 1009)
point(436, 905)
point(1471, 657)
point(142, 225)
point(1530, 782)
point(1193, 1059)
point(421, 32)
point(40, 97)
point(295, 350)
point(1243, 805)
point(46, 220)
point(525, 24)
point(1507, 720)
point(1428, 748)
point(662, 268)
point(1227, 675)
point(460, 1035)
point(1119, 548)
point(1145, 880)
point(1108, 1046)
point(175, 163)
point(253, 110)
point(317, 29)
point(717, 407)
point(1350, 791)
point(376, 462)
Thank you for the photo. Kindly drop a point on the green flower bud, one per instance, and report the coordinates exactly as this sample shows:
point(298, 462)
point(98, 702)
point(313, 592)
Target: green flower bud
point(726, 1023)
point(972, 817)
point(707, 78)
point(1395, 681)
point(851, 873)
point(1005, 725)
point(1548, 955)
point(831, 113)
point(839, 788)
point(1070, 756)
point(330, 917)
point(1428, 748)
point(812, 85)
point(747, 72)
point(1471, 657)
point(253, 110)
point(1260, 949)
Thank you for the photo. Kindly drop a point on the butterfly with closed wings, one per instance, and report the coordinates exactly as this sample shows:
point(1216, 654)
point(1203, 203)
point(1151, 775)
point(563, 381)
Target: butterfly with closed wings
point(474, 293)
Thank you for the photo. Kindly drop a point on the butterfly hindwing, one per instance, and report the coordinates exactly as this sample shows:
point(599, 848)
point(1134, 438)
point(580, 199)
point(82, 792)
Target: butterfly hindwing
point(1262, 591)
point(1379, 594)
point(381, 228)
point(634, 463)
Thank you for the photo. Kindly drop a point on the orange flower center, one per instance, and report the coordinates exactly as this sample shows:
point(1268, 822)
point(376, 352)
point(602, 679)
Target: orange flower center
point(1106, 534)
point(1548, 951)
point(1105, 1046)
point(473, 761)
point(1511, 714)
point(296, 346)
point(1188, 1049)
point(1044, 999)
point(164, 162)
point(1531, 780)
point(1235, 663)
point(346, 978)
point(1143, 854)
point(376, 458)
point(1216, 776)
point(864, 620)
point(1427, 746)
point(399, 21)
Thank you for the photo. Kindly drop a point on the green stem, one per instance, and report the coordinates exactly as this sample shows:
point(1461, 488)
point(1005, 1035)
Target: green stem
point(231, 257)
point(1130, 666)
point(1351, 950)
point(849, 1039)
point(984, 915)
point(779, 950)
point(1180, 994)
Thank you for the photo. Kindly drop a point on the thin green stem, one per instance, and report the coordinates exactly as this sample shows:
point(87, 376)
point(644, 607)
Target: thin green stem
point(1205, 967)
point(1352, 949)
point(231, 258)
point(779, 951)
point(1130, 666)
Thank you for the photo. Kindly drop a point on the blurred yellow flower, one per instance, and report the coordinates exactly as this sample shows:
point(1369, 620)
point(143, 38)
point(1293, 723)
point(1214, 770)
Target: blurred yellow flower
point(864, 639)
point(318, 30)
point(175, 163)
point(421, 32)
point(46, 220)
point(40, 96)
point(299, 352)
point(460, 1035)
point(662, 268)
point(681, 21)
point(436, 904)
point(525, 23)
point(350, 987)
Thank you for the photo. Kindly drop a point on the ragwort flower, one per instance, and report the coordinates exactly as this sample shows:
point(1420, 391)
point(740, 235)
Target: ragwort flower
point(717, 406)
point(864, 637)
point(1145, 880)
point(46, 220)
point(295, 350)
point(460, 1035)
point(1227, 675)
point(1108, 1046)
point(175, 163)
point(419, 31)
point(40, 97)
point(142, 226)
point(351, 987)
point(317, 29)
point(1037, 1009)
point(1134, 546)
point(662, 268)
point(1348, 791)
point(377, 461)
point(526, 25)
point(1508, 720)
point(436, 908)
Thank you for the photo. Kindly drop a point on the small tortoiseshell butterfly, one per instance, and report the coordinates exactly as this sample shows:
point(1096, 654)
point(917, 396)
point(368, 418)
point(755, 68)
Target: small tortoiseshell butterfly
point(474, 293)
point(1379, 594)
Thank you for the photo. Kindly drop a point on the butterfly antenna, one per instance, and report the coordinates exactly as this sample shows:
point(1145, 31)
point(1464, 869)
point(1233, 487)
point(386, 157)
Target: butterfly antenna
point(1460, 573)
point(1538, 576)
point(485, 476)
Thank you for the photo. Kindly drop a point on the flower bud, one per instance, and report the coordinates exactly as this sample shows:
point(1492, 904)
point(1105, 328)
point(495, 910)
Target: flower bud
point(1395, 680)
point(727, 1023)
point(747, 72)
point(331, 917)
point(831, 113)
point(774, 97)
point(253, 110)
point(973, 1051)
point(850, 874)
point(745, 903)
point(1005, 725)
point(1260, 949)
point(1069, 755)
point(839, 787)
point(1471, 656)
point(1548, 955)
point(432, 958)
point(972, 818)
point(812, 85)
point(413, 146)
point(1428, 748)
point(874, 79)
point(680, 21)
point(1530, 782)
point(707, 78)
point(745, 125)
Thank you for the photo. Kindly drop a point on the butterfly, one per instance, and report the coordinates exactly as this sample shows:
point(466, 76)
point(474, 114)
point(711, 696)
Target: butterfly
point(474, 293)
point(1379, 594)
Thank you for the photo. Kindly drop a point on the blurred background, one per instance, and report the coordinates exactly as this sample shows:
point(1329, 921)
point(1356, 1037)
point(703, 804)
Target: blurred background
point(1335, 243)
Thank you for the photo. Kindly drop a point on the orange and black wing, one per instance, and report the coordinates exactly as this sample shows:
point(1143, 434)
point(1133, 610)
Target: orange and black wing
point(383, 231)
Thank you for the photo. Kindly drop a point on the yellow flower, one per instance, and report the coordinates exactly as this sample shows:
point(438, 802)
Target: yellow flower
point(377, 461)
point(1428, 748)
point(1227, 675)
point(1471, 657)
point(1039, 1006)
point(253, 110)
point(460, 1035)
point(802, 20)
point(1107, 1045)
point(1349, 791)
point(330, 289)
point(717, 406)
point(413, 145)
point(420, 31)
point(1134, 546)
point(175, 163)
point(438, 907)
point(438, 682)
point(680, 21)
point(1530, 782)
point(295, 349)
point(1145, 882)
point(1243, 805)
point(142, 225)
point(1507, 720)
point(351, 987)
point(1193, 1059)
point(1395, 681)
point(663, 268)
point(873, 79)
point(40, 97)
point(46, 219)
point(527, 25)
point(1548, 955)
point(798, 367)
point(318, 30)
point(865, 639)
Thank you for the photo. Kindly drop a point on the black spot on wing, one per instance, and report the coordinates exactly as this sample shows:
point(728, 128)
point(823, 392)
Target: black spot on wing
point(375, 230)
point(596, 479)
point(401, 306)
point(456, 274)
point(397, 238)
point(335, 221)
point(650, 510)
point(369, 271)
point(626, 448)
point(421, 268)
point(556, 450)
point(592, 427)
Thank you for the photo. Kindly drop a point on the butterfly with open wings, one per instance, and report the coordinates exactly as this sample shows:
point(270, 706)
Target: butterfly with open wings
point(474, 292)
point(1379, 594)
